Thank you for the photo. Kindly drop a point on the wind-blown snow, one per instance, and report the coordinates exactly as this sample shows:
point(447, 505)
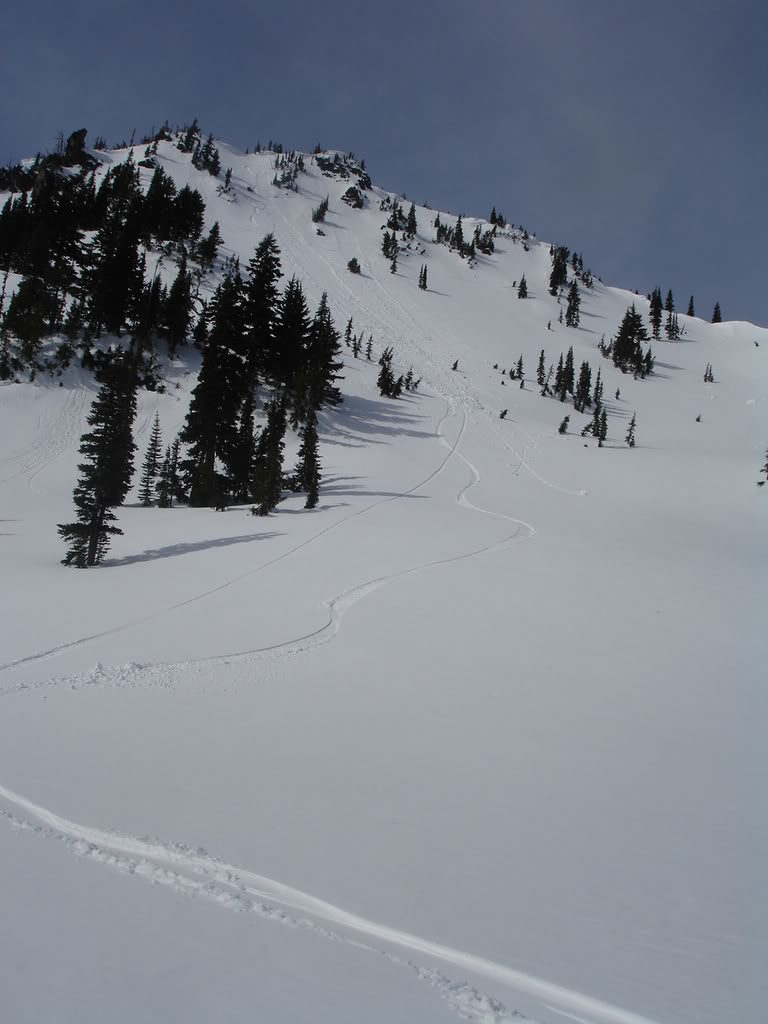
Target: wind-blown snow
point(483, 733)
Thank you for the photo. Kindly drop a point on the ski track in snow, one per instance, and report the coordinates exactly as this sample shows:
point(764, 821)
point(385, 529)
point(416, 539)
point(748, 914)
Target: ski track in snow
point(169, 674)
point(54, 436)
point(196, 872)
point(61, 648)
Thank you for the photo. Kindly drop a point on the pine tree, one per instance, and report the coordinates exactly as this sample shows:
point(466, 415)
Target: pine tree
point(208, 247)
point(672, 327)
point(627, 348)
point(386, 379)
point(563, 428)
point(691, 311)
point(519, 368)
point(581, 398)
point(211, 423)
point(177, 309)
point(268, 475)
point(260, 312)
point(559, 275)
point(149, 468)
point(423, 278)
point(559, 387)
point(168, 483)
point(316, 381)
point(393, 263)
point(458, 237)
point(597, 395)
point(603, 433)
point(242, 454)
point(656, 311)
point(292, 332)
point(308, 469)
point(411, 225)
point(163, 488)
point(369, 348)
point(574, 302)
point(630, 438)
point(522, 288)
point(569, 377)
point(717, 317)
point(540, 370)
point(105, 476)
point(669, 305)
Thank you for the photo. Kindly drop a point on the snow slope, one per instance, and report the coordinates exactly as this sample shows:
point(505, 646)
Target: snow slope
point(481, 736)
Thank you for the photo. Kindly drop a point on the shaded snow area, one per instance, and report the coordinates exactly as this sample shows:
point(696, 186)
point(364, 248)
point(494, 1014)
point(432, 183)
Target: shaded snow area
point(480, 738)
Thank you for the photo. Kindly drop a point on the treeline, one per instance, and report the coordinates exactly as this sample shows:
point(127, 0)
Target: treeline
point(81, 251)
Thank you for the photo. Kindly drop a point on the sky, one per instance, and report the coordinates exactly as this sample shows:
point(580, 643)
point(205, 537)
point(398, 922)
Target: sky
point(635, 133)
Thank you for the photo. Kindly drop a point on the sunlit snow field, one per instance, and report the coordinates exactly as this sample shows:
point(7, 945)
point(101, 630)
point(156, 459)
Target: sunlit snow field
point(482, 734)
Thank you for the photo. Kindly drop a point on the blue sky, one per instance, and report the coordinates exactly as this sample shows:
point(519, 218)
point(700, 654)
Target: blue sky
point(636, 133)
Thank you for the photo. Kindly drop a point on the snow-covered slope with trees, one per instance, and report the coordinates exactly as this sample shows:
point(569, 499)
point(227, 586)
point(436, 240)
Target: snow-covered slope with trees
point(480, 735)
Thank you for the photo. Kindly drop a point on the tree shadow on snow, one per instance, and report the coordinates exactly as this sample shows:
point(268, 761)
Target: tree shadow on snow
point(359, 418)
point(173, 550)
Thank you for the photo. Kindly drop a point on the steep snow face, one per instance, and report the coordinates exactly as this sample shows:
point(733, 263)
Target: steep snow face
point(480, 736)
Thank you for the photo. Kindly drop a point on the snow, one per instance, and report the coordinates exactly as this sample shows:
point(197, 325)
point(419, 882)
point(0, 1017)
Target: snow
point(481, 735)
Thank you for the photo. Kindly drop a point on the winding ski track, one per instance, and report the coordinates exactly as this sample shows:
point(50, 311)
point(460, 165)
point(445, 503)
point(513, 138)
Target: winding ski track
point(196, 872)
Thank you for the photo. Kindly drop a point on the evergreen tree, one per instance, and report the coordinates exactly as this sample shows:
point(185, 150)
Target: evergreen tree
point(292, 329)
point(177, 308)
point(569, 377)
point(322, 363)
point(630, 438)
point(717, 317)
point(627, 345)
point(458, 237)
point(210, 427)
point(672, 327)
point(369, 348)
point(597, 395)
point(669, 305)
point(540, 370)
point(411, 225)
point(149, 468)
point(242, 454)
point(522, 288)
point(386, 379)
point(519, 368)
point(581, 398)
point(559, 275)
point(691, 311)
point(559, 386)
point(308, 469)
point(208, 247)
point(656, 311)
point(393, 264)
point(105, 476)
point(574, 302)
point(319, 212)
point(603, 433)
point(163, 489)
point(563, 428)
point(268, 476)
point(261, 306)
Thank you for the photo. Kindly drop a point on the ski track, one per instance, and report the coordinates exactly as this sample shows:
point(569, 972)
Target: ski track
point(112, 631)
point(170, 674)
point(54, 437)
point(196, 872)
